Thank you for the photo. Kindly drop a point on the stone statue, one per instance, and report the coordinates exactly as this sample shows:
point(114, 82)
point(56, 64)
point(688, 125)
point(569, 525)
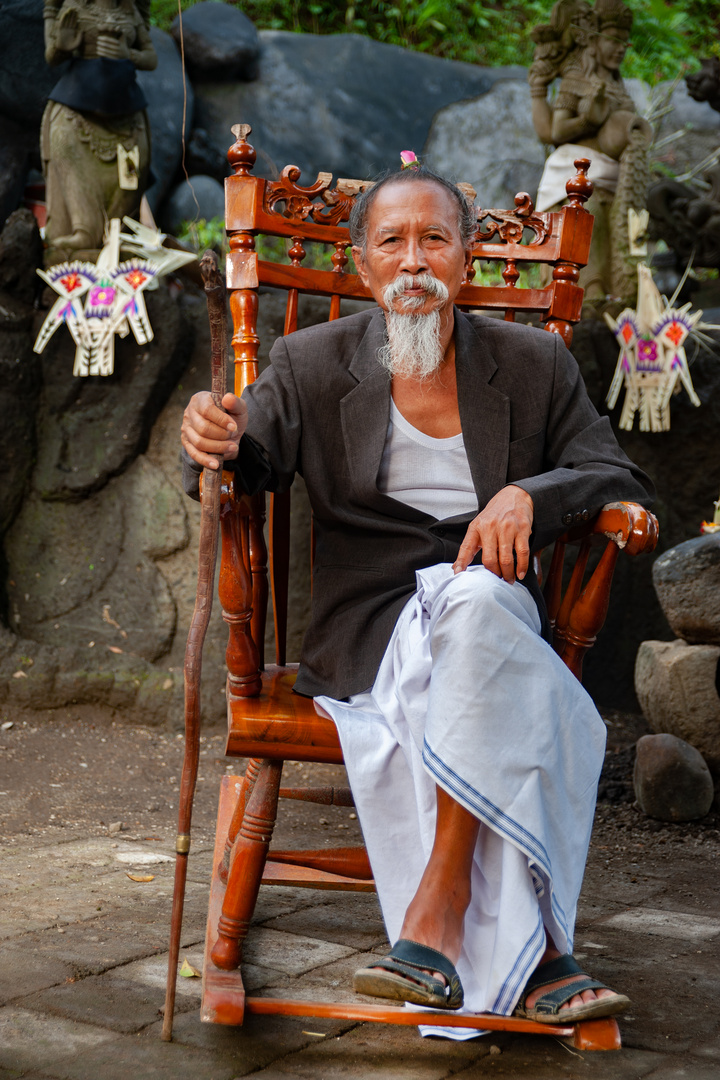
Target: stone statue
point(95, 138)
point(704, 85)
point(593, 116)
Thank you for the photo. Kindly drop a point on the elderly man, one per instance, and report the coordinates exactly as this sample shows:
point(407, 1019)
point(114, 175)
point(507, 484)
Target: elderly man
point(440, 449)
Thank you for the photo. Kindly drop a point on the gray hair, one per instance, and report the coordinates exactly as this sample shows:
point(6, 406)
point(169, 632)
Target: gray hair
point(358, 223)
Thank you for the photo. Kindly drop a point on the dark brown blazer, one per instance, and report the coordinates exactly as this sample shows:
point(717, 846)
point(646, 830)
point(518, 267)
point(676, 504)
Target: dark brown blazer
point(322, 409)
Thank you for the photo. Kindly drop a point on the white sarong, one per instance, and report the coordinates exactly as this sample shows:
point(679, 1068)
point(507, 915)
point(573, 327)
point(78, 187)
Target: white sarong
point(470, 697)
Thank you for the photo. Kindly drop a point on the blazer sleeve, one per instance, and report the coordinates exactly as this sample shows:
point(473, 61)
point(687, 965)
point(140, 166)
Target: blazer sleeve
point(269, 451)
point(584, 465)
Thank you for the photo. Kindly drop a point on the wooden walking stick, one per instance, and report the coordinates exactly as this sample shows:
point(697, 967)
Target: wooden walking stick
point(209, 523)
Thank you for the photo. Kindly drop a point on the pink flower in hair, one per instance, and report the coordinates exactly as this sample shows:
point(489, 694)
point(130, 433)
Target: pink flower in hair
point(409, 159)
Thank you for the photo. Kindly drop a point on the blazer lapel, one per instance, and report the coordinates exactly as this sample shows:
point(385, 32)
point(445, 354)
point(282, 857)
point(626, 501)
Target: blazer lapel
point(484, 411)
point(365, 411)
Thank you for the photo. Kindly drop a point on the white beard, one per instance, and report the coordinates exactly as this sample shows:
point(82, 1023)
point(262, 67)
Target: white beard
point(413, 347)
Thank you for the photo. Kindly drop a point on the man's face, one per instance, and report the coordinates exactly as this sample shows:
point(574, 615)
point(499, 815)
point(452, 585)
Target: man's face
point(413, 230)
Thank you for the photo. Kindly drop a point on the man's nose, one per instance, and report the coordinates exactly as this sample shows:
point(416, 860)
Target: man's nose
point(413, 261)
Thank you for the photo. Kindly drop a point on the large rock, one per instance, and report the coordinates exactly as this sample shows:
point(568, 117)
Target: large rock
point(220, 42)
point(699, 123)
point(687, 581)
point(19, 152)
point(672, 781)
point(93, 428)
point(198, 197)
point(463, 144)
point(25, 78)
point(677, 687)
point(87, 571)
point(338, 103)
point(166, 98)
point(20, 254)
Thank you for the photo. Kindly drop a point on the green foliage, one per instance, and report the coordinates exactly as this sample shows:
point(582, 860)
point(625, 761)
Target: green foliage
point(490, 273)
point(668, 35)
point(201, 235)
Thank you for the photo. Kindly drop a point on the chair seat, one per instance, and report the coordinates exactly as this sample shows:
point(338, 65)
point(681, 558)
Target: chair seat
point(279, 723)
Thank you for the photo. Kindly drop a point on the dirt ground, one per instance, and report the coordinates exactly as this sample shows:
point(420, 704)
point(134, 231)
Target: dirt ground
point(79, 769)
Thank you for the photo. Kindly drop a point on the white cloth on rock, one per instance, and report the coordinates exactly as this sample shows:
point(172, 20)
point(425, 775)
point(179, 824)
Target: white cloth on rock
point(470, 696)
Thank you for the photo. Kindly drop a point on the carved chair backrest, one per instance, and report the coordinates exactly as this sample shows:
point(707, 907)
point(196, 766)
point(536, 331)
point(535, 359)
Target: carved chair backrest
point(318, 214)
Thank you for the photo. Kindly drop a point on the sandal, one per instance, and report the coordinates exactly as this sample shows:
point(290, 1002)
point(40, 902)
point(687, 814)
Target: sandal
point(546, 1009)
point(402, 976)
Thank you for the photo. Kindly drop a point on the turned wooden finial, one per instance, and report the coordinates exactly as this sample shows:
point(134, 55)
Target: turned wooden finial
point(241, 154)
point(578, 187)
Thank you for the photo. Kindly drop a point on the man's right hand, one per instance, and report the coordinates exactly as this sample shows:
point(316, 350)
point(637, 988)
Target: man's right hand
point(207, 430)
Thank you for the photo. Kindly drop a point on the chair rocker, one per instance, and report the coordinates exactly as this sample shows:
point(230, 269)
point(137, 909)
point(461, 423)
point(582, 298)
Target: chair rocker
point(269, 724)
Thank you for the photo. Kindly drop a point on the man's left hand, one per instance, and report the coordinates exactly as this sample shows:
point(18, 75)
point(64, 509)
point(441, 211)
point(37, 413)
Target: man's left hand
point(502, 531)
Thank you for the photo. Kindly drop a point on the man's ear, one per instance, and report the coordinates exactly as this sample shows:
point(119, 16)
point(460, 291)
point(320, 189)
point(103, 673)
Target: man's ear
point(359, 261)
point(468, 263)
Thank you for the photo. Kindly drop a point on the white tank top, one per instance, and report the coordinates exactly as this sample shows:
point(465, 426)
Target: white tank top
point(432, 475)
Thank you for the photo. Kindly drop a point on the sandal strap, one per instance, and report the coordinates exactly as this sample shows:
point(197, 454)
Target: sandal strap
point(419, 958)
point(405, 970)
point(551, 1002)
point(422, 957)
point(562, 967)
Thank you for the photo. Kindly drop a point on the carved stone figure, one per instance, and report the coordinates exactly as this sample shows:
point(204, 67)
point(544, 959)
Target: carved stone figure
point(95, 139)
point(704, 85)
point(593, 116)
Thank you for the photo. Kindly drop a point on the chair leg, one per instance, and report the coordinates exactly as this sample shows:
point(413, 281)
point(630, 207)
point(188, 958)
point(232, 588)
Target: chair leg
point(248, 785)
point(246, 867)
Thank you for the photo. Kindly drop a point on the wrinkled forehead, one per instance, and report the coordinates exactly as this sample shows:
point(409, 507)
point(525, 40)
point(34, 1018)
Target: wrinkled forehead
point(409, 200)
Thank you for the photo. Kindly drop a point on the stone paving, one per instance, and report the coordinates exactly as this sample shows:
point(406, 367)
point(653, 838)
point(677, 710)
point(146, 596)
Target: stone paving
point(83, 972)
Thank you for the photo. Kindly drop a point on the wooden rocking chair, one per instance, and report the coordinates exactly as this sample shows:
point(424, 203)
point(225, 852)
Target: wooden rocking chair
point(267, 722)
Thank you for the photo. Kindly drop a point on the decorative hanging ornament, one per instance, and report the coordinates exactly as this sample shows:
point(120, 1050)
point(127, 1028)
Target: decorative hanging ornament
point(652, 365)
point(113, 290)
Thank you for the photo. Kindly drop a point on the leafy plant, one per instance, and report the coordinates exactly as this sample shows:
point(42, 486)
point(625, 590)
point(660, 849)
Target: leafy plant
point(667, 36)
point(201, 235)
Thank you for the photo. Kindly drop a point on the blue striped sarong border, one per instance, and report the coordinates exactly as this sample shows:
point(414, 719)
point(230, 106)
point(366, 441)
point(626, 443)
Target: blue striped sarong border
point(501, 822)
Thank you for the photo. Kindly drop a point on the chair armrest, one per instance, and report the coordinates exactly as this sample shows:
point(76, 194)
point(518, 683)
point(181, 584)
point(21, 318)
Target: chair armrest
point(630, 526)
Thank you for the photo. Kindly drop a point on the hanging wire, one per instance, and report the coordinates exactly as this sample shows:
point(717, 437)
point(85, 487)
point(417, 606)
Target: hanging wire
point(184, 113)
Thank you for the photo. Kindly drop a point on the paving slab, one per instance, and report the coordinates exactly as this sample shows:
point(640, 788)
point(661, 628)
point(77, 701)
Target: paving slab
point(25, 970)
point(145, 1059)
point(525, 1057)
point(331, 982)
point(152, 972)
point(260, 1041)
point(83, 948)
point(108, 1001)
point(330, 923)
point(383, 1052)
point(293, 954)
point(692, 1069)
point(29, 1040)
point(674, 924)
point(274, 900)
